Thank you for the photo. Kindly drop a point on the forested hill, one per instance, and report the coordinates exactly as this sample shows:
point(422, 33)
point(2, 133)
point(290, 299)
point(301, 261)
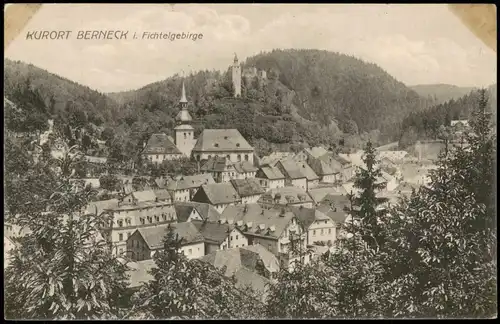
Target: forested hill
point(426, 124)
point(310, 97)
point(441, 93)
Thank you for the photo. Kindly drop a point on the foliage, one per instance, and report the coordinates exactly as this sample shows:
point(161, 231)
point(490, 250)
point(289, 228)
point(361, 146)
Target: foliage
point(62, 268)
point(110, 182)
point(191, 289)
point(366, 209)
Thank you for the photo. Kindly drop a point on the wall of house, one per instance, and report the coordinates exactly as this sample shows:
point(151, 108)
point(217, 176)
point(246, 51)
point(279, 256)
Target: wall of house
point(270, 244)
point(194, 216)
point(212, 247)
point(233, 156)
point(181, 195)
point(237, 239)
point(321, 231)
point(329, 178)
point(159, 158)
point(194, 251)
point(299, 183)
point(137, 249)
point(312, 184)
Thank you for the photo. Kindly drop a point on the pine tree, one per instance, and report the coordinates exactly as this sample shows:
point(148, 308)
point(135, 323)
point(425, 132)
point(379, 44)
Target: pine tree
point(366, 204)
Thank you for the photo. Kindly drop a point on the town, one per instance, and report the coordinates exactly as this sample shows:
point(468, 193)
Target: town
point(239, 201)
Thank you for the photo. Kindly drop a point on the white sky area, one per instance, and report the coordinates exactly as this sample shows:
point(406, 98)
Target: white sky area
point(417, 44)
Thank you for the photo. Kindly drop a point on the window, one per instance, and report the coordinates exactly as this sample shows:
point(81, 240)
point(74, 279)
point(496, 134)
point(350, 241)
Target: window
point(216, 144)
point(156, 156)
point(143, 221)
point(326, 222)
point(120, 237)
point(314, 232)
point(321, 231)
point(209, 157)
point(228, 157)
point(239, 157)
point(236, 236)
point(128, 221)
point(120, 222)
point(237, 144)
point(231, 237)
point(329, 231)
point(157, 218)
point(185, 136)
point(246, 157)
point(150, 219)
point(190, 251)
point(243, 244)
point(236, 245)
point(120, 250)
point(128, 234)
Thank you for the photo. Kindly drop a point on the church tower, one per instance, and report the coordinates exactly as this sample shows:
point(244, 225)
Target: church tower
point(236, 77)
point(184, 132)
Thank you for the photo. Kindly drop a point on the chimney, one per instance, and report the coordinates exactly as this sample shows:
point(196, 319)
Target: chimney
point(239, 223)
point(262, 227)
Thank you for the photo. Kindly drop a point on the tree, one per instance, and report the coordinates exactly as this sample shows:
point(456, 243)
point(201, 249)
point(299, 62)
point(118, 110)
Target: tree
point(61, 269)
point(367, 210)
point(189, 289)
point(110, 182)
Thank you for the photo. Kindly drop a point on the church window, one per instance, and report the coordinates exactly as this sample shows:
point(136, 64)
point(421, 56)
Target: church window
point(246, 157)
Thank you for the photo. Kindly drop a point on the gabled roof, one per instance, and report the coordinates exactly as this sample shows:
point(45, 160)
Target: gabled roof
point(257, 215)
point(292, 170)
point(183, 212)
point(220, 193)
point(213, 232)
point(308, 216)
point(321, 167)
point(274, 157)
point(190, 182)
point(217, 164)
point(319, 193)
point(247, 187)
point(307, 171)
point(316, 152)
point(160, 144)
point(205, 210)
point(286, 195)
point(244, 166)
point(102, 205)
point(337, 201)
point(270, 172)
point(153, 236)
point(338, 216)
point(221, 140)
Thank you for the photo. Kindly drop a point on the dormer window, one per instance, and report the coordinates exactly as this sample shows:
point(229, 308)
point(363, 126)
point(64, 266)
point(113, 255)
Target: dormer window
point(216, 144)
point(225, 137)
point(237, 144)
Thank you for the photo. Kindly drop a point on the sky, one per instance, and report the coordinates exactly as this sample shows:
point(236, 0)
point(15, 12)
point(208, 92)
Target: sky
point(417, 44)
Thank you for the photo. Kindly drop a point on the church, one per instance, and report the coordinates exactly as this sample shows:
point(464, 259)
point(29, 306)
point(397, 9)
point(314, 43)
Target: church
point(228, 143)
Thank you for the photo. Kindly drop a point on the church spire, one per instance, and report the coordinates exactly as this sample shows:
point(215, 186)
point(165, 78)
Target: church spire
point(183, 95)
point(235, 58)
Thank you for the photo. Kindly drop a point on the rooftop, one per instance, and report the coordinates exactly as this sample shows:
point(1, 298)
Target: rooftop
point(247, 187)
point(270, 172)
point(160, 144)
point(221, 140)
point(153, 236)
point(219, 193)
point(190, 182)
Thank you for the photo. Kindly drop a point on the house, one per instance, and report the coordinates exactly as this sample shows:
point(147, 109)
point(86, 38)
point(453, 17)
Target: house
point(186, 187)
point(249, 190)
point(270, 177)
point(286, 196)
point(221, 169)
point(137, 210)
point(323, 169)
point(336, 202)
point(390, 182)
point(318, 194)
point(245, 169)
point(223, 143)
point(189, 211)
point(318, 226)
point(293, 174)
point(274, 158)
point(311, 176)
point(406, 188)
point(160, 148)
point(219, 195)
point(220, 236)
point(343, 166)
point(145, 242)
point(272, 228)
point(338, 217)
point(252, 266)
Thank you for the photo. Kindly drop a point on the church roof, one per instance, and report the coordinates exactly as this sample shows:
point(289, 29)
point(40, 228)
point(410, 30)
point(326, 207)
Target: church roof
point(160, 144)
point(183, 95)
point(184, 116)
point(184, 126)
point(221, 140)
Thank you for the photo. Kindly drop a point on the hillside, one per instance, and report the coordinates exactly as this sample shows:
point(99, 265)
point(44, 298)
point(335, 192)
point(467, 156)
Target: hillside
point(309, 98)
point(441, 93)
point(425, 124)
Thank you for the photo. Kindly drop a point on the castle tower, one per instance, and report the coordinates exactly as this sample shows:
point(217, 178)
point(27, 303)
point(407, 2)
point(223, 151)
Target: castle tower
point(236, 77)
point(184, 132)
